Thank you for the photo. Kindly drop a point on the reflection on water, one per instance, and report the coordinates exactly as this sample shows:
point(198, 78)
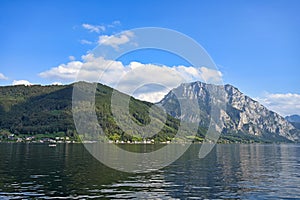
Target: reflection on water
point(228, 172)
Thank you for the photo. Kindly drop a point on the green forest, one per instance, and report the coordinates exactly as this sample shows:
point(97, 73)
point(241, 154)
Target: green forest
point(46, 112)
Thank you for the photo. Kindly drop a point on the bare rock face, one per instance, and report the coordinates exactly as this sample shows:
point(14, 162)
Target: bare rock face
point(240, 115)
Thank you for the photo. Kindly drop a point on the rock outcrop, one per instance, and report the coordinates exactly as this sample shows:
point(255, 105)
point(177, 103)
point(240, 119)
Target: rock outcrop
point(239, 114)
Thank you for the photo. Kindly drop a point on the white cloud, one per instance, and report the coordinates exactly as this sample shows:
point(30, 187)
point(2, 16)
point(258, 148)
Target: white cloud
point(21, 82)
point(114, 24)
point(72, 58)
point(131, 77)
point(284, 104)
point(63, 72)
point(94, 28)
point(56, 83)
point(85, 42)
point(153, 97)
point(115, 40)
point(2, 77)
point(102, 28)
point(211, 75)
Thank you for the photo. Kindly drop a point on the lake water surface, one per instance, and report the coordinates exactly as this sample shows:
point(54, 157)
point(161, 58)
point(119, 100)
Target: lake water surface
point(233, 171)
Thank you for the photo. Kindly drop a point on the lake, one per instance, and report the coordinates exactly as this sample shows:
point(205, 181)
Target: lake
point(231, 171)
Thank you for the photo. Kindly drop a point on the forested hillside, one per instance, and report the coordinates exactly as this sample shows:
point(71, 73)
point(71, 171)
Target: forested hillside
point(46, 111)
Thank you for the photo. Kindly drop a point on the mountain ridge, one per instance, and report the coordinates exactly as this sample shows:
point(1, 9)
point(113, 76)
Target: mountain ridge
point(294, 119)
point(35, 110)
point(243, 115)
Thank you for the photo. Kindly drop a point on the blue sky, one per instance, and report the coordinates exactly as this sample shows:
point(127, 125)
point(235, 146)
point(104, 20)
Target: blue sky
point(255, 44)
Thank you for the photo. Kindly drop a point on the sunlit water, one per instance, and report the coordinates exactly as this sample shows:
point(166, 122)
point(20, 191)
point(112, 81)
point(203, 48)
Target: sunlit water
point(68, 171)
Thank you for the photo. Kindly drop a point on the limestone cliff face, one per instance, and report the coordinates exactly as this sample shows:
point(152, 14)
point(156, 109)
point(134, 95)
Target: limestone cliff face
point(239, 114)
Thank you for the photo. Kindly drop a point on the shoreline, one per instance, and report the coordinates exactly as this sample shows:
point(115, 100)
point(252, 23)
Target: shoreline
point(138, 143)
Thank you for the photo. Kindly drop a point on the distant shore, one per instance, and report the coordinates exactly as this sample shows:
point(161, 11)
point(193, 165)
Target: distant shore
point(138, 143)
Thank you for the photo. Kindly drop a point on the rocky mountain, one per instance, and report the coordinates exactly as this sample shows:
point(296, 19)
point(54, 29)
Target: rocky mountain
point(294, 119)
point(237, 115)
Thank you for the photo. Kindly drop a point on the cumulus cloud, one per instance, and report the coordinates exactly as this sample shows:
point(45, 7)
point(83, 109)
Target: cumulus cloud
point(21, 82)
point(211, 75)
point(91, 68)
point(94, 28)
point(153, 97)
point(115, 40)
point(130, 78)
point(2, 77)
point(64, 71)
point(284, 104)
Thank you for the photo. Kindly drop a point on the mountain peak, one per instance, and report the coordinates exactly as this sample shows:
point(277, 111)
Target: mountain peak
point(242, 115)
point(293, 118)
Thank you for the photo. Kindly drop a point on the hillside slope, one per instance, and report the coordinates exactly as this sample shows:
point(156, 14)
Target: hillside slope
point(47, 110)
